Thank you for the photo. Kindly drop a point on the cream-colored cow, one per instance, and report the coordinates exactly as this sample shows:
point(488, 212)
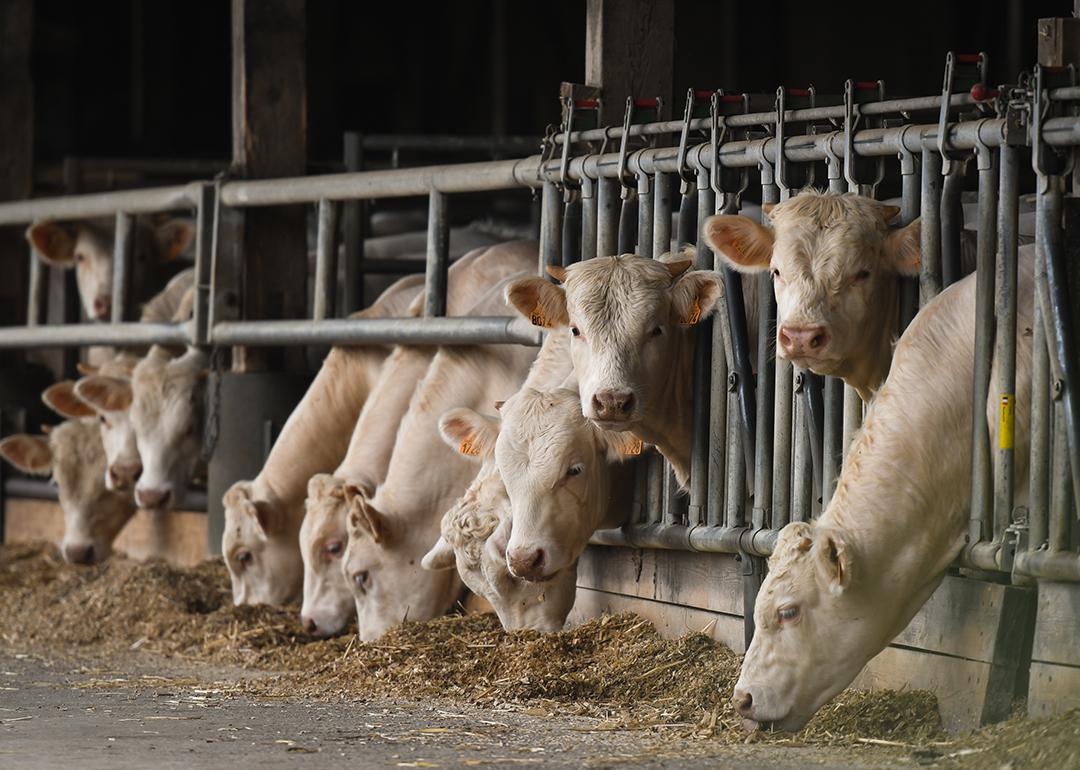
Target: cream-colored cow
point(834, 265)
point(840, 589)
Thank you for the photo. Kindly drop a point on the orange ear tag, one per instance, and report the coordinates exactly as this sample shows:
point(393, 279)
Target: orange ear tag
point(469, 448)
point(538, 318)
point(695, 314)
point(634, 448)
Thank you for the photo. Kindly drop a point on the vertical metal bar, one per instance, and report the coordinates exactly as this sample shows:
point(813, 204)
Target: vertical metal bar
point(802, 484)
point(551, 211)
point(687, 233)
point(645, 216)
point(571, 229)
point(123, 250)
point(628, 225)
point(1039, 478)
point(325, 260)
point(782, 440)
point(981, 526)
point(909, 210)
point(36, 292)
point(766, 386)
point(722, 440)
point(952, 223)
point(930, 269)
point(354, 223)
point(607, 204)
point(588, 217)
point(1060, 484)
point(1004, 386)
point(700, 457)
point(205, 222)
point(833, 433)
point(661, 229)
point(438, 255)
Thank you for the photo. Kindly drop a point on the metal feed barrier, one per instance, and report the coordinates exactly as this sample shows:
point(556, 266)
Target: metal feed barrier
point(765, 454)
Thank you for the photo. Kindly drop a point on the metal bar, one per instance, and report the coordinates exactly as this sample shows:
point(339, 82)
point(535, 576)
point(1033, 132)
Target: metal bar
point(930, 265)
point(1004, 385)
point(952, 223)
point(662, 202)
point(438, 255)
point(589, 218)
point(782, 441)
point(766, 386)
point(1060, 485)
point(607, 205)
point(981, 526)
point(702, 539)
point(325, 260)
point(832, 437)
point(803, 465)
point(571, 229)
point(99, 204)
point(35, 302)
point(628, 225)
point(645, 208)
point(700, 456)
point(204, 243)
point(353, 225)
point(910, 184)
point(687, 224)
point(1050, 565)
point(1039, 466)
point(432, 330)
point(79, 335)
point(449, 143)
point(550, 226)
point(123, 251)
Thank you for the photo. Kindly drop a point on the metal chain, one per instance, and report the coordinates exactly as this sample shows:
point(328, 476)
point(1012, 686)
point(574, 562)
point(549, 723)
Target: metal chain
point(212, 420)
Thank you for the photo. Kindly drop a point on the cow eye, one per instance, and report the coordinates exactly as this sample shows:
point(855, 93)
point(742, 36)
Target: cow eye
point(244, 558)
point(80, 257)
point(362, 580)
point(775, 272)
point(575, 469)
point(862, 275)
point(103, 421)
point(657, 331)
point(334, 548)
point(575, 331)
point(788, 614)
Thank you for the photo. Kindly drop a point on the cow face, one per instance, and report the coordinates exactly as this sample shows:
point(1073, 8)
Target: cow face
point(475, 533)
point(167, 417)
point(259, 548)
point(556, 467)
point(382, 567)
point(834, 265)
point(72, 454)
point(88, 249)
point(328, 601)
point(625, 316)
point(813, 634)
point(109, 397)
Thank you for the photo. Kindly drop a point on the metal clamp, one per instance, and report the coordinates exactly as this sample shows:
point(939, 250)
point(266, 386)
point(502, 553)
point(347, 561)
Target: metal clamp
point(855, 168)
point(906, 156)
point(1045, 160)
point(695, 99)
point(721, 106)
point(975, 70)
point(782, 179)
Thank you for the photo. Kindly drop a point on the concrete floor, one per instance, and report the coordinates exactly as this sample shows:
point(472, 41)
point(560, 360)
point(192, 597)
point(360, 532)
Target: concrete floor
point(61, 715)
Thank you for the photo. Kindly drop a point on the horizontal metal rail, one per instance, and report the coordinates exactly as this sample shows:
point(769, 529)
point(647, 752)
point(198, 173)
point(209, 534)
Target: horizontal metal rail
point(379, 331)
point(148, 201)
point(38, 489)
point(78, 335)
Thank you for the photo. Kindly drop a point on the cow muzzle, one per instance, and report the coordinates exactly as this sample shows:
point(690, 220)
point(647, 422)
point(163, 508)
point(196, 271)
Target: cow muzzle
point(612, 406)
point(123, 477)
point(527, 563)
point(806, 343)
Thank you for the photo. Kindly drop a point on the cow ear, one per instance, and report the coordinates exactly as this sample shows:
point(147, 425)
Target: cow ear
point(54, 242)
point(694, 296)
point(30, 454)
point(537, 299)
point(269, 518)
point(106, 394)
point(740, 241)
point(833, 558)
point(440, 557)
point(84, 368)
point(63, 400)
point(173, 238)
point(887, 213)
point(470, 433)
point(363, 517)
point(903, 248)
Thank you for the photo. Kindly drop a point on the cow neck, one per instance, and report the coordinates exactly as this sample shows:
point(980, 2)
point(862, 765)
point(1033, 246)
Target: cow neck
point(872, 366)
point(668, 421)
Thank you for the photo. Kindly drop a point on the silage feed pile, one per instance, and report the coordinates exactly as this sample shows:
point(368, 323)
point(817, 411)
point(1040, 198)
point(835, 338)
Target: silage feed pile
point(615, 668)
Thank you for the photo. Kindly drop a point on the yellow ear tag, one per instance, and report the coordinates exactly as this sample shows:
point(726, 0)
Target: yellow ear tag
point(469, 448)
point(634, 448)
point(538, 318)
point(695, 314)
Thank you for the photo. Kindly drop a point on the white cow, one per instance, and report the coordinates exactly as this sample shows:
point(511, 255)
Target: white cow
point(834, 264)
point(72, 453)
point(390, 531)
point(629, 319)
point(840, 589)
point(87, 246)
point(262, 516)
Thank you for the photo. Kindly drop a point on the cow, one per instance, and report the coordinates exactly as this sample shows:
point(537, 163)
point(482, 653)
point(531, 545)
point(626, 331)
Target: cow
point(72, 454)
point(263, 515)
point(632, 346)
point(392, 529)
point(834, 264)
point(87, 246)
point(841, 588)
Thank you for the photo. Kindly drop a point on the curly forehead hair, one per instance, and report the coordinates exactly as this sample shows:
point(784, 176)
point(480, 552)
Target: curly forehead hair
point(826, 210)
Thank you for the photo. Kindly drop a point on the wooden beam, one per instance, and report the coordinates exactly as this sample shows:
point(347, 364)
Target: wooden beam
point(270, 140)
point(630, 51)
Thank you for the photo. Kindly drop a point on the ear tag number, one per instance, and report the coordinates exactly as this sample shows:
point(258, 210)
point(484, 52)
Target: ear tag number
point(538, 318)
point(634, 448)
point(469, 448)
point(695, 314)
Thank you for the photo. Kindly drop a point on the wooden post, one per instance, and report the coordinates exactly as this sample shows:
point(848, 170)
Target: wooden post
point(629, 51)
point(270, 140)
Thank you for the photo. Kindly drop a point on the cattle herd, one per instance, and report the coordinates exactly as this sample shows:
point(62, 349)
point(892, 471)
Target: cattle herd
point(406, 472)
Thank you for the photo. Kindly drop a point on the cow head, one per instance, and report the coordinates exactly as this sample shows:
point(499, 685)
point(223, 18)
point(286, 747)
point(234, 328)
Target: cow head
point(88, 248)
point(834, 264)
point(328, 601)
point(475, 533)
point(814, 630)
point(624, 316)
point(72, 454)
point(382, 567)
point(556, 467)
point(259, 546)
point(107, 392)
point(166, 414)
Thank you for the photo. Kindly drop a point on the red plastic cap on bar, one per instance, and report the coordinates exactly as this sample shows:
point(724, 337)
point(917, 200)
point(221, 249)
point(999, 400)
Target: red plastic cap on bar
point(866, 85)
point(798, 92)
point(969, 58)
point(703, 94)
point(731, 98)
point(644, 102)
point(587, 104)
point(980, 92)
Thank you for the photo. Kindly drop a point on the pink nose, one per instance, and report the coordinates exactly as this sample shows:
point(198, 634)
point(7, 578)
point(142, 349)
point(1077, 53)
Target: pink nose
point(526, 563)
point(744, 702)
point(612, 404)
point(152, 498)
point(79, 554)
point(309, 625)
point(101, 306)
point(123, 476)
point(798, 341)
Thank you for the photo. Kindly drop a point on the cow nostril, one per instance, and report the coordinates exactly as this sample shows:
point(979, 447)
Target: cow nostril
point(819, 340)
point(538, 559)
point(310, 625)
point(138, 473)
point(80, 554)
point(628, 403)
point(744, 703)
